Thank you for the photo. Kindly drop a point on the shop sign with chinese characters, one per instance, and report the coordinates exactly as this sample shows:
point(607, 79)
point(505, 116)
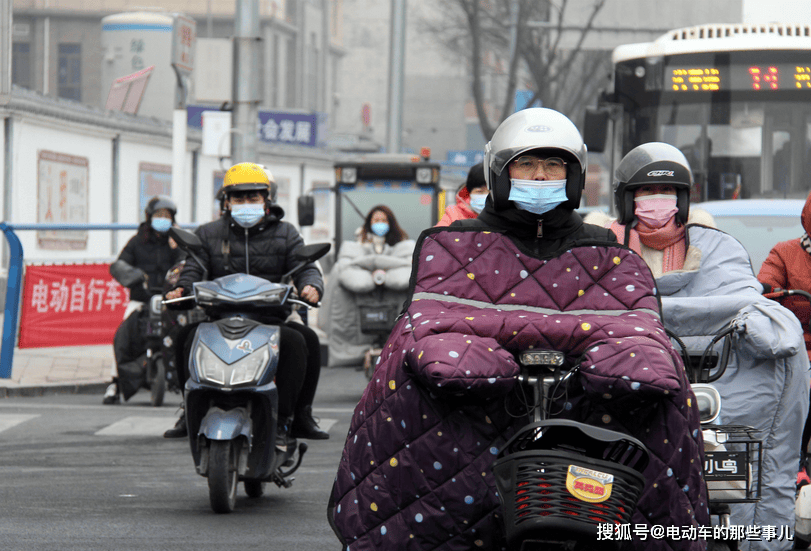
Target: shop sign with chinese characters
point(289, 128)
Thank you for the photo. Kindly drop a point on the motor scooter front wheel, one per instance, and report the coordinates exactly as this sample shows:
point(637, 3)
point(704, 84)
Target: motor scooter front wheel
point(157, 382)
point(222, 476)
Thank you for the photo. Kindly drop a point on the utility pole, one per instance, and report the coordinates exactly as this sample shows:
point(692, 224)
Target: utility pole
point(396, 76)
point(184, 38)
point(246, 82)
point(513, 39)
point(5, 51)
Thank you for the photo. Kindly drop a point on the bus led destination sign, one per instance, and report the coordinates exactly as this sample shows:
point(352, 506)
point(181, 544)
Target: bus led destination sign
point(695, 79)
point(738, 77)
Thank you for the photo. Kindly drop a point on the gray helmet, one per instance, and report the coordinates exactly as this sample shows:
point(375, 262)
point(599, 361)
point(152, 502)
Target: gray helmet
point(160, 202)
point(652, 163)
point(532, 129)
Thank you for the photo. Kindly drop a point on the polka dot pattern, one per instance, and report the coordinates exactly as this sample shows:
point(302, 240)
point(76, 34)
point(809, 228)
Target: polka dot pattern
point(450, 348)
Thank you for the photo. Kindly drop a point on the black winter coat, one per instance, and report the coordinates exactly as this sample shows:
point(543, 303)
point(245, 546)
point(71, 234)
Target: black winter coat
point(272, 245)
point(541, 235)
point(149, 251)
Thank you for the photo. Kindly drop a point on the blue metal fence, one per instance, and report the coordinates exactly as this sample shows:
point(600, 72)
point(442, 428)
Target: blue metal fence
point(15, 277)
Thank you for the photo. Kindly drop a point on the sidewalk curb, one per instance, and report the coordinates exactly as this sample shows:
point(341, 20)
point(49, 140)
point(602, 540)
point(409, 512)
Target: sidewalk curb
point(35, 391)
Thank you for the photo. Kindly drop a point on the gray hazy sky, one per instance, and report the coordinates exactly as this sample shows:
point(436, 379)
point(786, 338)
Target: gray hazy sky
point(783, 11)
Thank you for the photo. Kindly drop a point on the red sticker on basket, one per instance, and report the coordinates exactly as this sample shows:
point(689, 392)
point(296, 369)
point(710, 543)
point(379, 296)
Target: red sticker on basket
point(588, 485)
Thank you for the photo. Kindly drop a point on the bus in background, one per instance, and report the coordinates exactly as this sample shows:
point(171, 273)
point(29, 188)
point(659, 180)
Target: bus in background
point(407, 184)
point(735, 98)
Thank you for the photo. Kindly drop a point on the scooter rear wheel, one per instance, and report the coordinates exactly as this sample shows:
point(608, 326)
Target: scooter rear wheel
point(222, 476)
point(158, 384)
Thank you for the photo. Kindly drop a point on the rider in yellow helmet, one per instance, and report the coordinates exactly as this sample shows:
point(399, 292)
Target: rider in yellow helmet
point(251, 237)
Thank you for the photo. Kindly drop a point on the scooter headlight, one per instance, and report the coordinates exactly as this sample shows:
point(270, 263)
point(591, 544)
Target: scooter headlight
point(209, 366)
point(247, 370)
point(250, 368)
point(709, 401)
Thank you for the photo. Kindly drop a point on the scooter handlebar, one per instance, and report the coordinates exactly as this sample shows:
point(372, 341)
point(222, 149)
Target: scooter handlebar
point(179, 299)
point(304, 303)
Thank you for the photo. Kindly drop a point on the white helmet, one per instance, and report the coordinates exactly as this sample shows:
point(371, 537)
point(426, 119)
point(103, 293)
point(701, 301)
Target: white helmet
point(532, 129)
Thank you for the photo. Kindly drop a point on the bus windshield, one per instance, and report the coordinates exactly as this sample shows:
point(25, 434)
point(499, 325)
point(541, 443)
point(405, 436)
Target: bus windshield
point(747, 149)
point(735, 99)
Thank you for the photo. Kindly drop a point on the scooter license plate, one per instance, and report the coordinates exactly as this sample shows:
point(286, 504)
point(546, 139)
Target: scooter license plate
point(726, 465)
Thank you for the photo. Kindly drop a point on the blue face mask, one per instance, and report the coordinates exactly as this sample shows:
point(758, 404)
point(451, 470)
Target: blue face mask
point(537, 197)
point(248, 215)
point(477, 202)
point(161, 225)
point(380, 228)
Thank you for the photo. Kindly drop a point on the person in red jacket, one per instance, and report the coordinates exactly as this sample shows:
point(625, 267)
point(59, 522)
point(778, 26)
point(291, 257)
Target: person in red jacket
point(469, 200)
point(788, 266)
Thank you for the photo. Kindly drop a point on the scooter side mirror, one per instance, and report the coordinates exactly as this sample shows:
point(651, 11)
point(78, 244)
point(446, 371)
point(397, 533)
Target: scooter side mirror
point(190, 243)
point(309, 253)
point(306, 210)
point(186, 239)
point(595, 129)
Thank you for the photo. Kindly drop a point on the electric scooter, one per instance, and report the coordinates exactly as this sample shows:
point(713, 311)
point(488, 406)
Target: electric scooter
point(231, 397)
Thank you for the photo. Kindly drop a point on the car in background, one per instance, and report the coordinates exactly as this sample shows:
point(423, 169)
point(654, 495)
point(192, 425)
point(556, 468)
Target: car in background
point(759, 224)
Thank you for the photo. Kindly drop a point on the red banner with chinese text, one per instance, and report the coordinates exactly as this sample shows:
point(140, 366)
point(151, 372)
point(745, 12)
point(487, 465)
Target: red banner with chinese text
point(70, 305)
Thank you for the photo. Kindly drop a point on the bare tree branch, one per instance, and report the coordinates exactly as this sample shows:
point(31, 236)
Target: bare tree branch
point(559, 75)
point(474, 19)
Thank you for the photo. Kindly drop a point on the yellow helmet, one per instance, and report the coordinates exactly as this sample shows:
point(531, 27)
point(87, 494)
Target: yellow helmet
point(245, 177)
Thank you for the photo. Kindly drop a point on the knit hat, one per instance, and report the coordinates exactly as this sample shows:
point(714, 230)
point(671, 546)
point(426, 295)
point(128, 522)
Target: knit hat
point(475, 177)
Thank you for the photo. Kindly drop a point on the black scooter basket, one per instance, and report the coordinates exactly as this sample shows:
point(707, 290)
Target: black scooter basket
point(562, 495)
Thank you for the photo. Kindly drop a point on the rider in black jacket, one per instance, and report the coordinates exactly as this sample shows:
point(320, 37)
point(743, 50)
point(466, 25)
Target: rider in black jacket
point(141, 267)
point(252, 223)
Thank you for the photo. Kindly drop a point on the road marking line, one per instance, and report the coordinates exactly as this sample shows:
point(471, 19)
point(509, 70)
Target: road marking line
point(8, 420)
point(138, 426)
point(148, 426)
point(327, 424)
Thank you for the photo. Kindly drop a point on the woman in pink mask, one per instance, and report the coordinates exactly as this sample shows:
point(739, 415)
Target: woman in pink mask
point(705, 281)
point(652, 197)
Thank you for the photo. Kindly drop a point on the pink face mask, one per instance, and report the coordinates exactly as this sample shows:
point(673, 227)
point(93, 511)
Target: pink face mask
point(655, 210)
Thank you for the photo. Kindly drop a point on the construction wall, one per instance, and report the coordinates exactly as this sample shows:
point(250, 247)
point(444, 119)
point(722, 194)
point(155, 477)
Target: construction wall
point(72, 164)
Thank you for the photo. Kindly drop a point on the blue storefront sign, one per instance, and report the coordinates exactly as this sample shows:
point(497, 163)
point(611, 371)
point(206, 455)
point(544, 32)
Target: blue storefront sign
point(304, 129)
point(289, 128)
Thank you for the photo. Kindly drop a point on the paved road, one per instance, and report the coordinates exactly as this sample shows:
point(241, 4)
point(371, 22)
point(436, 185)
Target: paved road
point(79, 475)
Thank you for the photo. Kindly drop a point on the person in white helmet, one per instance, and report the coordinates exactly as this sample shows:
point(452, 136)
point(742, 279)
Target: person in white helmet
point(535, 170)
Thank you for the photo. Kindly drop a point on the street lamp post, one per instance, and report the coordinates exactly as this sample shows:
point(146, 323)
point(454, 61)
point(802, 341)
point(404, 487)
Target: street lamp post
point(246, 82)
point(396, 78)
